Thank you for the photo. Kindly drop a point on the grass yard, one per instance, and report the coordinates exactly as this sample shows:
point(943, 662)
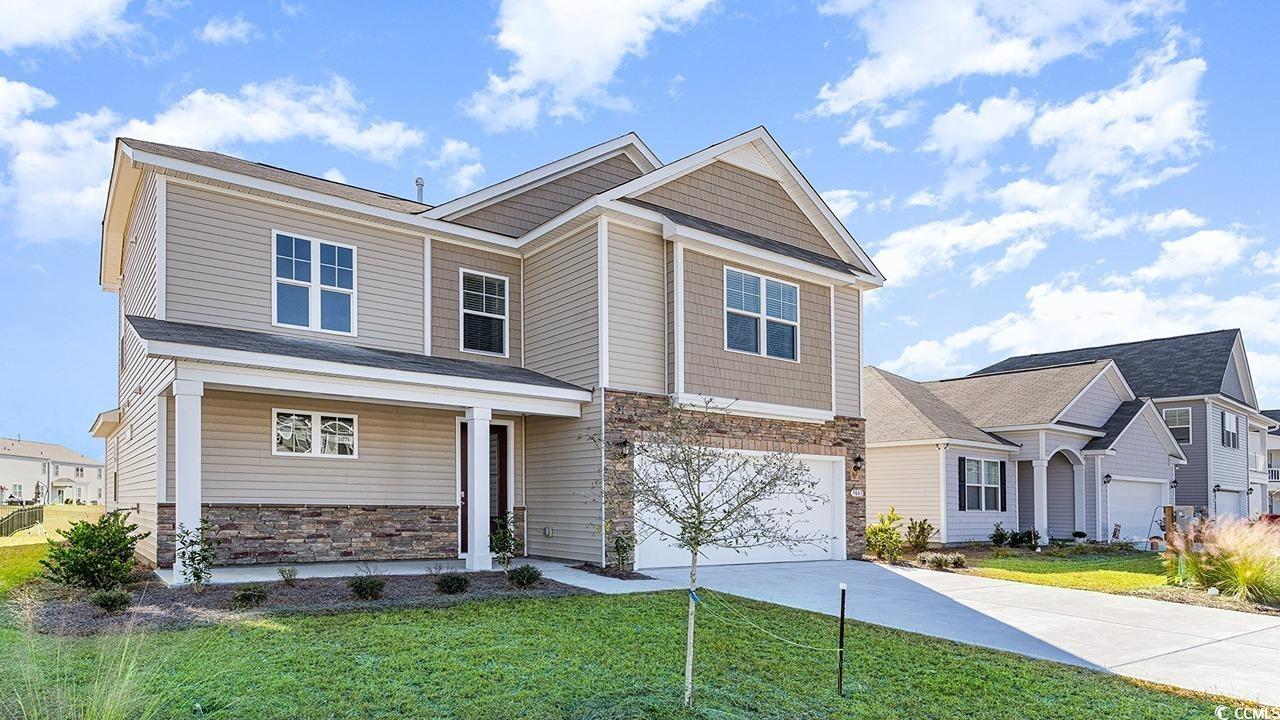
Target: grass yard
point(1104, 573)
point(19, 564)
point(578, 657)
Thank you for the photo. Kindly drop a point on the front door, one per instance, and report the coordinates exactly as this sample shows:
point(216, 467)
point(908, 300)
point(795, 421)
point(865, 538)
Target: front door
point(499, 500)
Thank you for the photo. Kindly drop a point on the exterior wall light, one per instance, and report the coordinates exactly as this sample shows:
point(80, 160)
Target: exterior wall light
point(1106, 479)
point(1217, 488)
point(858, 462)
point(1173, 484)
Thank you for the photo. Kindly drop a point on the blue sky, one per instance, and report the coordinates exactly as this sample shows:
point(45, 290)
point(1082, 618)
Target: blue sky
point(1029, 176)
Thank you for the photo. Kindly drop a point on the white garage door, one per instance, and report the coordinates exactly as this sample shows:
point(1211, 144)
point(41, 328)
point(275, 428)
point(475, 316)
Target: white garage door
point(1231, 504)
point(1133, 504)
point(824, 518)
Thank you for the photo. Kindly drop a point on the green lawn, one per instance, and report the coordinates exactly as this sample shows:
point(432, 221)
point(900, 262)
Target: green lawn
point(18, 564)
point(580, 657)
point(1105, 573)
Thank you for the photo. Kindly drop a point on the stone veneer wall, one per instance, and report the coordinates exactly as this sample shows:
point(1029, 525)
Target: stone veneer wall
point(628, 415)
point(253, 533)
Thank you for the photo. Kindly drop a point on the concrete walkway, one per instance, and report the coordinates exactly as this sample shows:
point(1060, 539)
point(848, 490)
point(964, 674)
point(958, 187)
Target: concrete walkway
point(1215, 651)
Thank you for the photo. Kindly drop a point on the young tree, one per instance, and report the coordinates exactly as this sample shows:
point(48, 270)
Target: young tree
point(685, 487)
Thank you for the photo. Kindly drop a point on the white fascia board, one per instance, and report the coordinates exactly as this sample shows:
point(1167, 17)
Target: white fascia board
point(1163, 434)
point(1234, 405)
point(948, 442)
point(1045, 426)
point(121, 189)
point(180, 351)
point(105, 423)
point(440, 227)
point(750, 408)
point(630, 144)
point(357, 389)
point(1246, 375)
point(1101, 374)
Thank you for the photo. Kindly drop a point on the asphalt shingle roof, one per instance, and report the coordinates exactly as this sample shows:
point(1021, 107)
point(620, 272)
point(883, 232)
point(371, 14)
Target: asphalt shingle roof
point(1116, 424)
point(1164, 367)
point(1023, 397)
point(1274, 415)
point(746, 238)
point(902, 409)
point(328, 350)
point(286, 177)
point(44, 451)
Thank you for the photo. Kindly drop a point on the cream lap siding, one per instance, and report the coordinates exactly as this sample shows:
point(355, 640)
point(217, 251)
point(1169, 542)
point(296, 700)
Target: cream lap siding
point(562, 332)
point(1193, 478)
point(1095, 406)
point(219, 260)
point(713, 371)
point(907, 478)
point(637, 311)
point(521, 213)
point(139, 297)
point(741, 199)
point(976, 525)
point(562, 485)
point(446, 260)
point(1061, 496)
point(848, 360)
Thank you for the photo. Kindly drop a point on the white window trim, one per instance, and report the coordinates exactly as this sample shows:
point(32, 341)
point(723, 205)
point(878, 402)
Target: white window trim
point(1164, 415)
point(315, 434)
point(761, 317)
point(505, 316)
point(314, 286)
point(1222, 430)
point(982, 496)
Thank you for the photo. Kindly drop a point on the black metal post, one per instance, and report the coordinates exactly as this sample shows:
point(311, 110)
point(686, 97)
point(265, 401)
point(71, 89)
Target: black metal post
point(840, 672)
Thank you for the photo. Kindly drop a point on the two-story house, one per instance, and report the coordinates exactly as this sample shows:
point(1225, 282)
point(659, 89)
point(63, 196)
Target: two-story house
point(46, 473)
point(328, 373)
point(1203, 388)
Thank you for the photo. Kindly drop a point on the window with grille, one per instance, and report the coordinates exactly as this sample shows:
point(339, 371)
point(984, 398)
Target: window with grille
point(484, 313)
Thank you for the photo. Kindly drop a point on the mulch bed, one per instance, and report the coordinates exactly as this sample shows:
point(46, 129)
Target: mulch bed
point(612, 572)
point(47, 608)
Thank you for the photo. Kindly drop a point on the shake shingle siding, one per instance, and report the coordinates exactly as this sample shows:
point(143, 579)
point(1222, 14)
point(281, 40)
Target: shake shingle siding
point(446, 261)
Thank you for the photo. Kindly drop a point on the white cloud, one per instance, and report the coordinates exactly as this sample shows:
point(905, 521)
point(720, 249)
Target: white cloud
point(844, 202)
point(164, 8)
point(862, 135)
point(335, 175)
point(965, 135)
point(1267, 261)
point(1127, 131)
point(56, 173)
point(566, 55)
point(220, 31)
point(1016, 256)
point(917, 44)
point(60, 23)
point(1202, 253)
point(460, 160)
point(1179, 219)
point(927, 360)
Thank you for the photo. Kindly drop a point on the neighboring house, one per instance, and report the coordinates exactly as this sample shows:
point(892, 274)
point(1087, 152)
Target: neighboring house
point(1202, 386)
point(1059, 449)
point(324, 372)
point(46, 473)
point(1273, 464)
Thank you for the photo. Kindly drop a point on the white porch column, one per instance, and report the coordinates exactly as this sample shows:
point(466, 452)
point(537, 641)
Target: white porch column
point(478, 557)
point(1040, 498)
point(1080, 497)
point(187, 396)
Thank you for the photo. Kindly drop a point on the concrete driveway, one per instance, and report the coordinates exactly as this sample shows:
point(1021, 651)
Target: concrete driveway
point(1217, 651)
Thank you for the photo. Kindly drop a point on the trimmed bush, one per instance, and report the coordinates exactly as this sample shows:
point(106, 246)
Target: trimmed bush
point(1233, 557)
point(883, 538)
point(94, 555)
point(957, 560)
point(1026, 538)
point(247, 596)
point(524, 576)
point(919, 532)
point(288, 575)
point(111, 600)
point(452, 583)
point(367, 587)
point(999, 536)
point(941, 560)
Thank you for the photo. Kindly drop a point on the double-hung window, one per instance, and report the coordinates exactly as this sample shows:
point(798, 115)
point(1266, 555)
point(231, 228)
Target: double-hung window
point(1179, 422)
point(761, 315)
point(484, 312)
point(1230, 429)
point(982, 484)
point(314, 434)
point(314, 295)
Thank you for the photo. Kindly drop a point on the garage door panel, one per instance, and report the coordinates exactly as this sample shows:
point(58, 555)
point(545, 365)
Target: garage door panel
point(823, 518)
point(1133, 504)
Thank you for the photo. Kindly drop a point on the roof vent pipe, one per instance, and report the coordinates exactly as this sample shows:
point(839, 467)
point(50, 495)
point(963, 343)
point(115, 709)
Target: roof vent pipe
point(419, 182)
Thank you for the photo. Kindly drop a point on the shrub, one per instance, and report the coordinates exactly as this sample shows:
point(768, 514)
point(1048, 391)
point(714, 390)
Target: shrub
point(94, 555)
point(1079, 534)
point(622, 547)
point(918, 534)
point(1026, 538)
point(1233, 557)
point(367, 587)
point(999, 536)
point(452, 583)
point(251, 595)
point(197, 552)
point(957, 560)
point(503, 542)
point(111, 600)
point(941, 560)
point(289, 575)
point(883, 538)
point(524, 576)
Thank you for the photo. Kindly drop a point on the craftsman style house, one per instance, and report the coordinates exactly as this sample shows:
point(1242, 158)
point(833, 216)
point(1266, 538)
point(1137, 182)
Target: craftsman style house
point(323, 372)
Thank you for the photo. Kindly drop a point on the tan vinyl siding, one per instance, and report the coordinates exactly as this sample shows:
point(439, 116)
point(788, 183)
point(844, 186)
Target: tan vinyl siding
point(446, 259)
point(637, 310)
point(561, 303)
point(712, 370)
point(907, 478)
point(232, 286)
point(562, 485)
point(521, 213)
point(741, 199)
point(847, 356)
